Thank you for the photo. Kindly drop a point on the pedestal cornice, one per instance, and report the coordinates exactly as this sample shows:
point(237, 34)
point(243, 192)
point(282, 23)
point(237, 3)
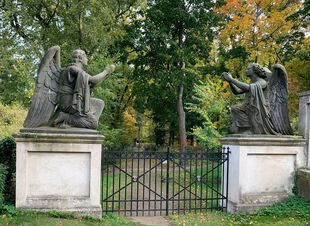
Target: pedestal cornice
point(262, 140)
point(57, 135)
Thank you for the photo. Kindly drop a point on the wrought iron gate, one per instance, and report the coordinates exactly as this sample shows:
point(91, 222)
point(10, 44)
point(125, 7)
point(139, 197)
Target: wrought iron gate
point(160, 182)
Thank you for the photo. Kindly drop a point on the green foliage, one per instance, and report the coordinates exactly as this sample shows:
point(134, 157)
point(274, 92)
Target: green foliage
point(7, 152)
point(158, 45)
point(16, 73)
point(114, 138)
point(52, 218)
point(116, 92)
point(293, 206)
point(37, 25)
point(59, 214)
point(299, 67)
point(212, 105)
point(12, 119)
point(9, 210)
point(29, 27)
point(16, 82)
point(170, 39)
point(292, 211)
point(3, 173)
point(294, 125)
point(8, 159)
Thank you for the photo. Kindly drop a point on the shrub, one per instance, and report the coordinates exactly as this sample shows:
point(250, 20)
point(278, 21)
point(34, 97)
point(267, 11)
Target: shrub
point(3, 172)
point(8, 159)
point(114, 138)
point(211, 104)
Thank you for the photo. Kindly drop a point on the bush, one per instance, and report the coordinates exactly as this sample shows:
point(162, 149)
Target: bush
point(114, 138)
point(212, 105)
point(3, 172)
point(8, 159)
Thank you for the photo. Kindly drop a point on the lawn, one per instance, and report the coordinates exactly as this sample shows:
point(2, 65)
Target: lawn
point(29, 218)
point(293, 211)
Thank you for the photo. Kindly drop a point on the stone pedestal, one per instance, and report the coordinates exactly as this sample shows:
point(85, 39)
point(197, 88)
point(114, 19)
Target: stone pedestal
point(303, 183)
point(304, 120)
point(59, 169)
point(261, 169)
point(303, 180)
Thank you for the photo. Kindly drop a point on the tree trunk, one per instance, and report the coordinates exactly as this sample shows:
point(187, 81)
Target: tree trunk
point(181, 118)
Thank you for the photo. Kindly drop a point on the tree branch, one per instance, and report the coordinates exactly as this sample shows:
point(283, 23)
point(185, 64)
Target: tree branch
point(16, 25)
point(120, 13)
point(54, 12)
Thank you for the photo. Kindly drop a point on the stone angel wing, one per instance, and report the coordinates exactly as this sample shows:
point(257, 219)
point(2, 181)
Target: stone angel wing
point(44, 99)
point(278, 96)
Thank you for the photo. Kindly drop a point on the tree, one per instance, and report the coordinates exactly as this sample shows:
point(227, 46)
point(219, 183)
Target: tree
point(16, 83)
point(212, 100)
point(169, 40)
point(29, 27)
point(267, 32)
point(261, 27)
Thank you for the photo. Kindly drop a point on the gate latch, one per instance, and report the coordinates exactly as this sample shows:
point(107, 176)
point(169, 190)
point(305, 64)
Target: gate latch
point(134, 178)
point(198, 178)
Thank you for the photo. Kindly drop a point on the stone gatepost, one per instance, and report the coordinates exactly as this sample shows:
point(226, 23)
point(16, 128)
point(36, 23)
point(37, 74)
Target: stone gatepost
point(59, 169)
point(304, 120)
point(261, 169)
point(303, 180)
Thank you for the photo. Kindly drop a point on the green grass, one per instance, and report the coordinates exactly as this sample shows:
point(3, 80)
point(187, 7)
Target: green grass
point(293, 211)
point(54, 218)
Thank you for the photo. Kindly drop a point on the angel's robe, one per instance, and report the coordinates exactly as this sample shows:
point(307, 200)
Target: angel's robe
point(74, 99)
point(254, 114)
point(259, 113)
point(74, 91)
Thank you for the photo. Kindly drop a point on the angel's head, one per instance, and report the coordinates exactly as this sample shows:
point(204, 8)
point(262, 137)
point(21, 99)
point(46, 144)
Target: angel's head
point(256, 69)
point(79, 56)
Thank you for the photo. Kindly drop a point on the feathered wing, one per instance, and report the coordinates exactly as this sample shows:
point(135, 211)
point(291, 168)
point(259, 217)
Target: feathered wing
point(278, 97)
point(44, 99)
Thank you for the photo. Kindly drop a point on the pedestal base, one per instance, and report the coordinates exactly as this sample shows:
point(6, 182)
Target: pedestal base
point(303, 183)
point(59, 169)
point(261, 169)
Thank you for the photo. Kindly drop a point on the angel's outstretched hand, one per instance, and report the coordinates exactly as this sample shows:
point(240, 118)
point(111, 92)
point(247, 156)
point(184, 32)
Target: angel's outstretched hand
point(110, 68)
point(227, 76)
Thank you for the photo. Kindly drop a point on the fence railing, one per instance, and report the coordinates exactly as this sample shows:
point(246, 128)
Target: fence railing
point(164, 181)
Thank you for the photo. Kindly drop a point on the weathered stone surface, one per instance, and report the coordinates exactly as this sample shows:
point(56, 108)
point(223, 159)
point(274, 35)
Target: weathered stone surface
point(48, 130)
point(304, 120)
point(59, 171)
point(62, 96)
point(57, 135)
point(261, 169)
point(262, 140)
point(303, 183)
point(264, 110)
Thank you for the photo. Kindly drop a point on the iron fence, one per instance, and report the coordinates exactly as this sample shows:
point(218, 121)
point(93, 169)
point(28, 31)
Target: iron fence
point(163, 181)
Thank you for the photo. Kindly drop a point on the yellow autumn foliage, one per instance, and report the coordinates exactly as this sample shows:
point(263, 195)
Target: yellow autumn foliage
point(256, 25)
point(12, 118)
point(130, 127)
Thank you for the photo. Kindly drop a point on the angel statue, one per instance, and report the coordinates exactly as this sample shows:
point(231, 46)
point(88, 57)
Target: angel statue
point(62, 95)
point(265, 108)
